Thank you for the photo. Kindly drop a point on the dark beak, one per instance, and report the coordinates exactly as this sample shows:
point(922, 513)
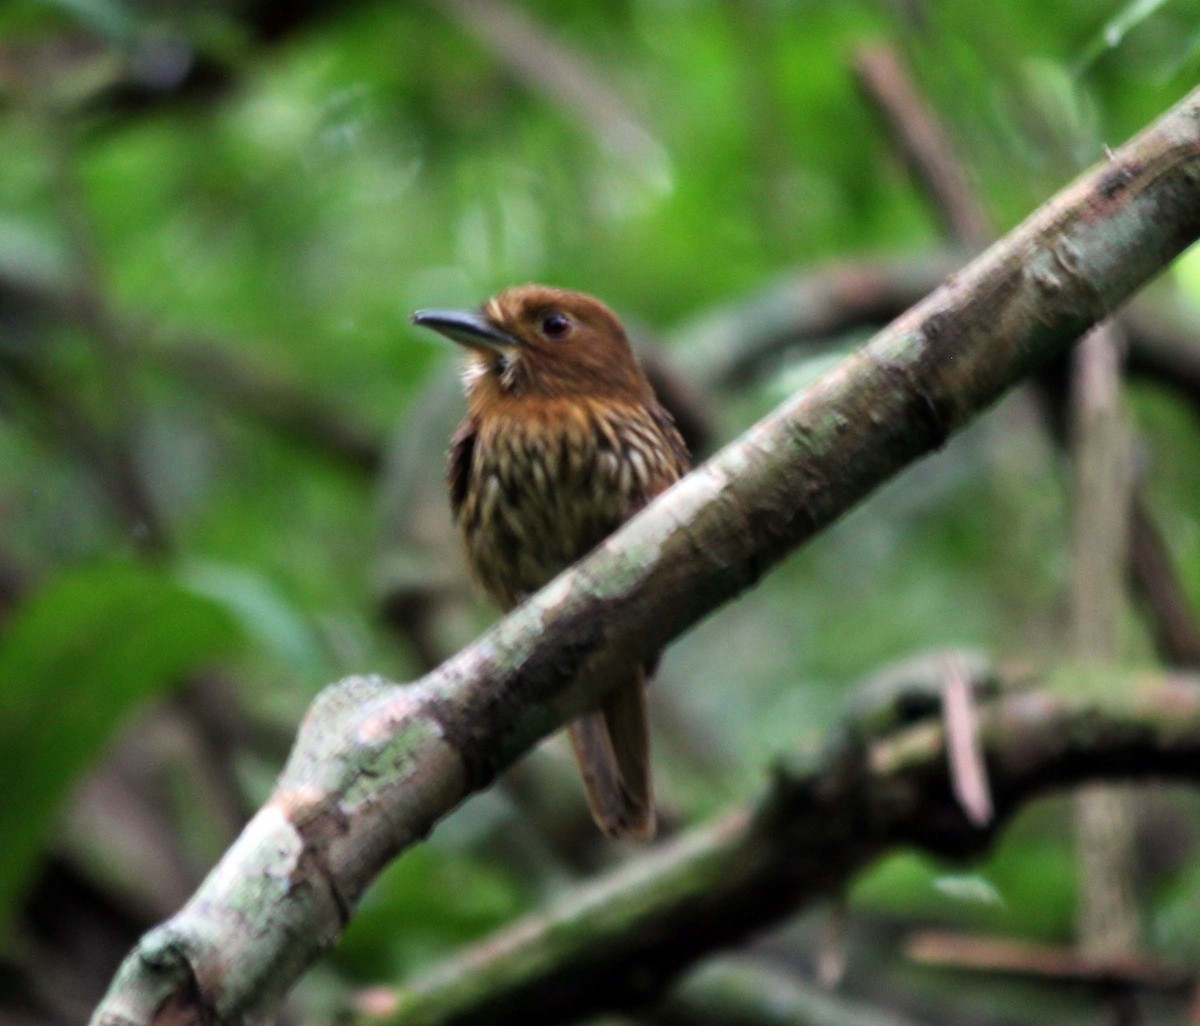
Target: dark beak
point(467, 329)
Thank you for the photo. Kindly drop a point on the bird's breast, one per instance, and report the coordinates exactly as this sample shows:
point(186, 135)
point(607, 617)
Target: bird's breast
point(542, 489)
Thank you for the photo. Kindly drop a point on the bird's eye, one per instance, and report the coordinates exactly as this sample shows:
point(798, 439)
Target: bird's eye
point(554, 325)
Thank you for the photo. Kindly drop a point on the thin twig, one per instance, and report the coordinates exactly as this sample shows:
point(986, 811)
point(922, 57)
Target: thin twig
point(1040, 961)
point(968, 774)
point(924, 144)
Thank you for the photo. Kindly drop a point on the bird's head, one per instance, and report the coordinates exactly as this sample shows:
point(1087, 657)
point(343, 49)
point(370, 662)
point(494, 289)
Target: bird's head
point(537, 340)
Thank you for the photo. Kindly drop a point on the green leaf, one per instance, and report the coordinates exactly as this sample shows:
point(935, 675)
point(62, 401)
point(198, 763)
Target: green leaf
point(84, 651)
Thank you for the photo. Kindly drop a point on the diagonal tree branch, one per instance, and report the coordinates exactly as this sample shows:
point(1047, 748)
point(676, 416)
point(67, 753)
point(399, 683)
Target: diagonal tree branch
point(883, 783)
point(931, 159)
point(376, 765)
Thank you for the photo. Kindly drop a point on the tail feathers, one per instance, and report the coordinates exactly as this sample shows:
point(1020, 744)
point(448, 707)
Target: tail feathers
point(612, 747)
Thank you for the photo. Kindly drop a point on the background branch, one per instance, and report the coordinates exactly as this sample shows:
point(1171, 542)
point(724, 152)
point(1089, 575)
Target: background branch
point(1105, 818)
point(206, 365)
point(924, 145)
point(743, 992)
point(731, 346)
point(997, 955)
point(563, 77)
point(881, 784)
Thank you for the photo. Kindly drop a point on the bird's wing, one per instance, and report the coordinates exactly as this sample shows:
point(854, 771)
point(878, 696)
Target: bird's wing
point(458, 465)
point(675, 443)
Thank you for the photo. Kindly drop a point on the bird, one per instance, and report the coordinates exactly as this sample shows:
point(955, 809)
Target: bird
point(563, 440)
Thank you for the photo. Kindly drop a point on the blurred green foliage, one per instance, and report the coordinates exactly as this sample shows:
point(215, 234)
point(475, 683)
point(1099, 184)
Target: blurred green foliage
point(361, 162)
point(88, 648)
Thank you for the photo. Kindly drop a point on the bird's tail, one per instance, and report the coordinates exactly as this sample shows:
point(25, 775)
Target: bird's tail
point(612, 747)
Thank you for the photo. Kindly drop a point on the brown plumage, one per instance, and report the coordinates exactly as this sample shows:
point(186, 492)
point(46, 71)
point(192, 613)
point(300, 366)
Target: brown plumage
point(562, 442)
